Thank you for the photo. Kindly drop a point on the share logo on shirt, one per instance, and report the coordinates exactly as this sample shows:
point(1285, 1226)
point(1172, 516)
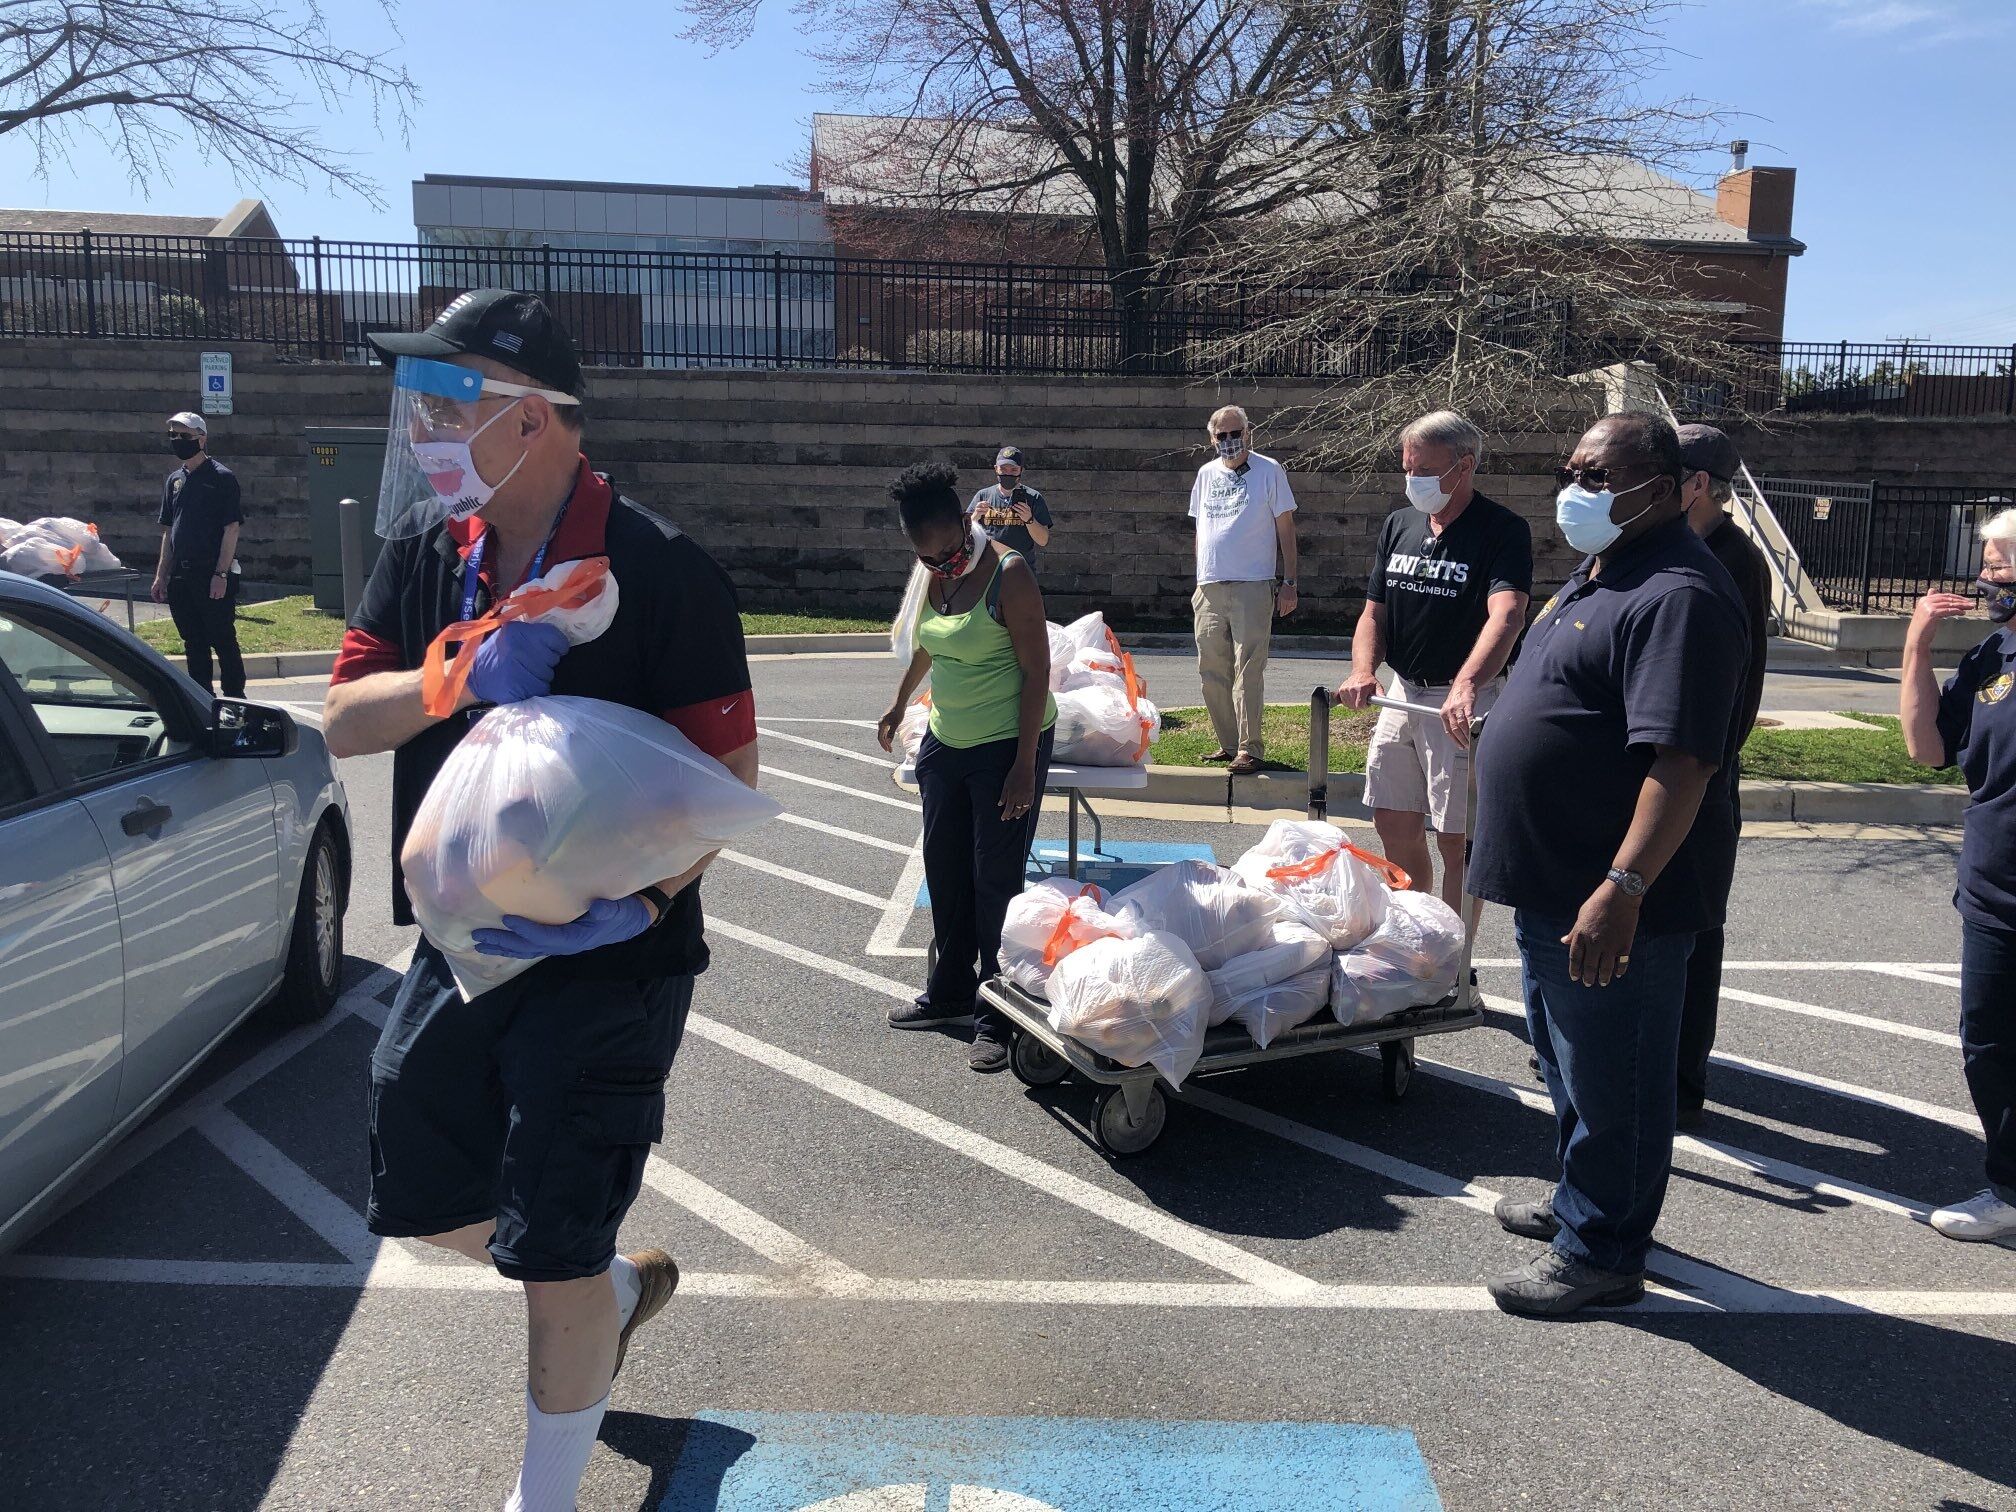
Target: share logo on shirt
point(855, 1462)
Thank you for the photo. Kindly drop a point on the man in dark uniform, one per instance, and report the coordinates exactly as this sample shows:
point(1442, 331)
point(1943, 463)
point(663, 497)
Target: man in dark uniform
point(1712, 463)
point(197, 573)
point(1599, 759)
point(514, 1128)
point(1010, 511)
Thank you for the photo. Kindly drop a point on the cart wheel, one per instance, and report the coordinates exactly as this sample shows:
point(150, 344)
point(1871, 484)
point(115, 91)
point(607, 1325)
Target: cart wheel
point(1035, 1064)
point(1396, 1068)
point(1120, 1135)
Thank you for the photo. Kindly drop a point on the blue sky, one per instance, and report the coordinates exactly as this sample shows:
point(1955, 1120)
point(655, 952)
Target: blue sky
point(1897, 114)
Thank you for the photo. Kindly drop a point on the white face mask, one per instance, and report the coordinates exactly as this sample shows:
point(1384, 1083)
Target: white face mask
point(451, 469)
point(1584, 516)
point(1427, 494)
point(1228, 449)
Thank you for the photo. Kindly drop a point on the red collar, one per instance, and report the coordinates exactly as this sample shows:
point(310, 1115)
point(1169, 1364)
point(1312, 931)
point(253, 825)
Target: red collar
point(583, 531)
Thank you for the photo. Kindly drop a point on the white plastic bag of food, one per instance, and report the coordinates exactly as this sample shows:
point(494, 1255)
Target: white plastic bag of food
point(11, 528)
point(33, 554)
point(1102, 726)
point(1413, 960)
point(1091, 669)
point(1217, 913)
point(1294, 949)
point(1087, 633)
point(577, 598)
point(93, 555)
point(1336, 887)
point(549, 804)
point(1278, 1007)
point(911, 732)
point(1139, 1002)
point(903, 629)
point(1049, 920)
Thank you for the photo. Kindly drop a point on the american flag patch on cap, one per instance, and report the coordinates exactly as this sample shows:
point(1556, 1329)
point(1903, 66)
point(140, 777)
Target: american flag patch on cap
point(509, 341)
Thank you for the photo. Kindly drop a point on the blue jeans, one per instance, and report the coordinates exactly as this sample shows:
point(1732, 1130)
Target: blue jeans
point(1988, 1043)
point(1609, 1056)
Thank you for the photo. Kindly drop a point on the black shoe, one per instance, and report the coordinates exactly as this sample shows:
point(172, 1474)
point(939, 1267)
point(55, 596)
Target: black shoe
point(1690, 1117)
point(1529, 1220)
point(924, 1014)
point(1553, 1286)
point(990, 1049)
point(1533, 1065)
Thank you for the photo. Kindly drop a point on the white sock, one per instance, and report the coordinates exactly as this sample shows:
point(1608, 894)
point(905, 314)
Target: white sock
point(557, 1446)
point(623, 1275)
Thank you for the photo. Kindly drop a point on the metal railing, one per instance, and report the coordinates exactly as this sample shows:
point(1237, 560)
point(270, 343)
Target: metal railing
point(313, 298)
point(1875, 547)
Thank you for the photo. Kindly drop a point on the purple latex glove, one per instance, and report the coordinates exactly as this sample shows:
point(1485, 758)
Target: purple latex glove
point(607, 922)
point(516, 663)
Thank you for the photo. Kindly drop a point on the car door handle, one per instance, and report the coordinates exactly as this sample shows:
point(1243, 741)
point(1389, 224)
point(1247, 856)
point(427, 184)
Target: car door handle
point(146, 819)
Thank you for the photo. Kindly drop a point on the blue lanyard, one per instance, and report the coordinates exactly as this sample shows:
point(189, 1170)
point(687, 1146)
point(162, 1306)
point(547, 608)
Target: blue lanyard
point(472, 567)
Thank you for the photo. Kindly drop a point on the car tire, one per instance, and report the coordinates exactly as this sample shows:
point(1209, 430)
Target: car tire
point(314, 975)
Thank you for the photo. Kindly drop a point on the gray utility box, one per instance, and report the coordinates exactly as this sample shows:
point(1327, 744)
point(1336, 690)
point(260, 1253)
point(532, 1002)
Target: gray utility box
point(343, 463)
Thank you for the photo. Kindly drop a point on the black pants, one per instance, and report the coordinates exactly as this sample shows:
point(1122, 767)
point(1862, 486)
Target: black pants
point(1698, 1006)
point(974, 861)
point(205, 625)
point(1988, 1043)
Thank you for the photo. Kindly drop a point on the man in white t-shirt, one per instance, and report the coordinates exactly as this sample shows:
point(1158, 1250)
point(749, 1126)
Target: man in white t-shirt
point(1245, 514)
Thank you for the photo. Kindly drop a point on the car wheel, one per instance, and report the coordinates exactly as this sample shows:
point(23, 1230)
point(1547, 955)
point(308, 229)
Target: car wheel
point(315, 949)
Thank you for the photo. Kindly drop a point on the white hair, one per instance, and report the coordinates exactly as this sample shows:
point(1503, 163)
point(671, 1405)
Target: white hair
point(1229, 412)
point(2000, 527)
point(1447, 428)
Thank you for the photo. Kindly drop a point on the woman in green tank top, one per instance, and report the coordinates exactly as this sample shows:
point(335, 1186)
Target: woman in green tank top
point(982, 638)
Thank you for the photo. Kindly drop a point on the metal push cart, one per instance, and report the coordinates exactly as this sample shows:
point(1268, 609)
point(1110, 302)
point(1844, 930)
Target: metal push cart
point(1132, 1108)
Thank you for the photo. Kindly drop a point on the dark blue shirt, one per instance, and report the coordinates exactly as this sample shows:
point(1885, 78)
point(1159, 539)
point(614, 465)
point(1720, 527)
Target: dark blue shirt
point(196, 506)
point(1977, 720)
point(994, 509)
point(1649, 654)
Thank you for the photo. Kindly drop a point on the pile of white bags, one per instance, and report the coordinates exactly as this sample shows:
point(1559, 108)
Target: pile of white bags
point(1278, 987)
point(1142, 1001)
point(1215, 912)
point(1102, 717)
point(1412, 960)
point(54, 546)
point(1328, 882)
point(550, 804)
point(1048, 921)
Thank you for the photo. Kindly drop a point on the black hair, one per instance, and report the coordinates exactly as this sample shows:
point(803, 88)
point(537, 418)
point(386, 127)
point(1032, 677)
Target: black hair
point(925, 492)
point(1649, 439)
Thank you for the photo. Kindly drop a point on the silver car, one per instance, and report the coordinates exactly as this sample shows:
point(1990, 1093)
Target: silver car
point(168, 863)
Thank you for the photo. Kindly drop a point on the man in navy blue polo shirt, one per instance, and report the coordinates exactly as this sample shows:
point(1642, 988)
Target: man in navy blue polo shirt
point(1595, 765)
point(514, 1128)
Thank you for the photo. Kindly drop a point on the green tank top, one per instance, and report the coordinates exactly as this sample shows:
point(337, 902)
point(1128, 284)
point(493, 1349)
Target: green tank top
point(976, 683)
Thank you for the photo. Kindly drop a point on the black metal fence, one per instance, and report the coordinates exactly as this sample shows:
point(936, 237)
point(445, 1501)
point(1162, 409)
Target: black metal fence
point(1874, 547)
point(316, 299)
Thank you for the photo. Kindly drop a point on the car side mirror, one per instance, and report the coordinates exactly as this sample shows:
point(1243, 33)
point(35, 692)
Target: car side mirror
point(247, 729)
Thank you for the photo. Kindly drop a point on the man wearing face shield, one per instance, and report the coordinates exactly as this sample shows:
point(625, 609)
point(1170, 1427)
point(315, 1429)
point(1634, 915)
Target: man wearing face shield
point(1603, 752)
point(513, 1129)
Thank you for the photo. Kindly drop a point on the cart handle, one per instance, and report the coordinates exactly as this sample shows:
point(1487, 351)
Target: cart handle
point(1319, 741)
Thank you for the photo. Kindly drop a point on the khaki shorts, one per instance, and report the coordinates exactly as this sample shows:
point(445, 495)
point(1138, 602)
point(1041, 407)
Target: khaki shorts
point(1412, 765)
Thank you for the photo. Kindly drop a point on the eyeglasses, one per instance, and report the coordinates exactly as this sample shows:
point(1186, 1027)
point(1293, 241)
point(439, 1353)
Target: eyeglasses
point(1227, 435)
point(1595, 479)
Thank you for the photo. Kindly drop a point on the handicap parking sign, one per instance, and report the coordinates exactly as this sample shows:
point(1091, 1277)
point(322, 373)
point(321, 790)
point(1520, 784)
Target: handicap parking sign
point(857, 1462)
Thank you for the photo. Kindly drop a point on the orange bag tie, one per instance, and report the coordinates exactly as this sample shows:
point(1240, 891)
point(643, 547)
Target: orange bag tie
point(1303, 870)
point(1053, 948)
point(442, 681)
point(67, 557)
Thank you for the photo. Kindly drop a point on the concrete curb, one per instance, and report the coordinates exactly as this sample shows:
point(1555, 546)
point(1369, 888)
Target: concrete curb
point(1801, 802)
point(787, 645)
point(262, 665)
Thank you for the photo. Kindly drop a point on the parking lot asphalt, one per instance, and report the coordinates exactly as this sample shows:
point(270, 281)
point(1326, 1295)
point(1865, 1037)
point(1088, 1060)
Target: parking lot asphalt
point(873, 1236)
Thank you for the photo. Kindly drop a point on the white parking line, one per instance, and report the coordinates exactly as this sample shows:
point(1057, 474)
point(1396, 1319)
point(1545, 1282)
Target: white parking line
point(899, 909)
point(746, 1226)
point(857, 724)
point(804, 879)
point(334, 1221)
point(1842, 1016)
point(1875, 1097)
point(874, 841)
point(1917, 971)
point(905, 804)
point(832, 750)
point(1933, 975)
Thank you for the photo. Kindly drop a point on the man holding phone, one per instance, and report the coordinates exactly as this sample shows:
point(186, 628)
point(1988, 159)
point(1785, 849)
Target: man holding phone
point(1010, 511)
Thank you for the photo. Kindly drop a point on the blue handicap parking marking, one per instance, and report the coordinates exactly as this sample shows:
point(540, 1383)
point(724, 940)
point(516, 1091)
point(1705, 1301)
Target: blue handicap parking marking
point(860, 1462)
point(1136, 856)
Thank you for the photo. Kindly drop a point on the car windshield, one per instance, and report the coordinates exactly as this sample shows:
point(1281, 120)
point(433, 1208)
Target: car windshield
point(50, 673)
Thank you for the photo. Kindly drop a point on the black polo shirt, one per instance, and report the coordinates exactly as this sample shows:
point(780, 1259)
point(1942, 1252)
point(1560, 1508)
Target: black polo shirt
point(675, 650)
point(1437, 588)
point(1651, 653)
point(196, 506)
point(1977, 720)
point(1745, 564)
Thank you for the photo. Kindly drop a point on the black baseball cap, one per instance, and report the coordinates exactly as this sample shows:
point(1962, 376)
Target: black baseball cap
point(1009, 456)
point(1703, 448)
point(502, 324)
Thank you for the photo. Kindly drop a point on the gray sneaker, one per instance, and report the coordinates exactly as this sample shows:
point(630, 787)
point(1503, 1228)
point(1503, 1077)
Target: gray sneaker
point(1529, 1220)
point(923, 1014)
point(1553, 1286)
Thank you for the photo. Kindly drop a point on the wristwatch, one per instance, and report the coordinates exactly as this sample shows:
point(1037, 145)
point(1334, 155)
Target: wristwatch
point(1287, 582)
point(659, 899)
point(1628, 882)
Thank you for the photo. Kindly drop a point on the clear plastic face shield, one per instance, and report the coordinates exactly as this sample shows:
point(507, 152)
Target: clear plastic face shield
point(439, 411)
